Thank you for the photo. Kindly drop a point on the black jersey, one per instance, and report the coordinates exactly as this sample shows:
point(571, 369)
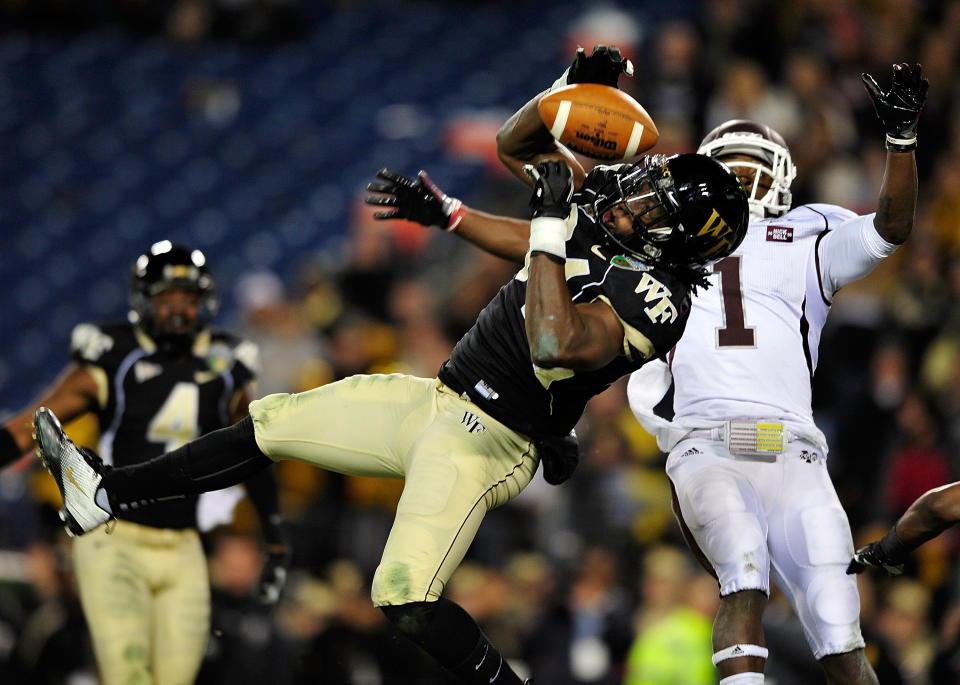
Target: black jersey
point(491, 363)
point(152, 402)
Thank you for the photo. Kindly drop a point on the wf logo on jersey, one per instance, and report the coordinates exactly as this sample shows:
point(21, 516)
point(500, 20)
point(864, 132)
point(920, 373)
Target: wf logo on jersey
point(472, 422)
point(664, 311)
point(718, 228)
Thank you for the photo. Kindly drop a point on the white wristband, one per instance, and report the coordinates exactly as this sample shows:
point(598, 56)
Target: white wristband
point(454, 210)
point(549, 234)
point(902, 142)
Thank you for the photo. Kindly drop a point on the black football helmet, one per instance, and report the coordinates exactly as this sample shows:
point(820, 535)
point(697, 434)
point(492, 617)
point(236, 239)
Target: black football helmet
point(686, 210)
point(769, 149)
point(168, 266)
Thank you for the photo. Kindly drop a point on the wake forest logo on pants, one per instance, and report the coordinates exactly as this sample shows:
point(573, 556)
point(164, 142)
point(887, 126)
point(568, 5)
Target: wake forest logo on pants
point(472, 422)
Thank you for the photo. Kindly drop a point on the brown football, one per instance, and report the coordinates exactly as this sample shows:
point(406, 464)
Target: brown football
point(598, 121)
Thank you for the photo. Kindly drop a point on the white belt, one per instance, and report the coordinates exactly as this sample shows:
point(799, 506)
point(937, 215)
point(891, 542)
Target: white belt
point(748, 438)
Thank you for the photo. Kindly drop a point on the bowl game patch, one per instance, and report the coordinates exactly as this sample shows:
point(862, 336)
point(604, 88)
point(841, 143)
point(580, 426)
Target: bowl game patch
point(779, 234)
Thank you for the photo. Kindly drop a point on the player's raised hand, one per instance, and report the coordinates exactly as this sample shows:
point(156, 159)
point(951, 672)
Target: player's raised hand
point(873, 555)
point(603, 66)
point(552, 189)
point(550, 207)
point(899, 107)
point(418, 200)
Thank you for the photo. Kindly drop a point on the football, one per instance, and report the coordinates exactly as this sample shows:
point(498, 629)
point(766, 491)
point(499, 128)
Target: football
point(598, 121)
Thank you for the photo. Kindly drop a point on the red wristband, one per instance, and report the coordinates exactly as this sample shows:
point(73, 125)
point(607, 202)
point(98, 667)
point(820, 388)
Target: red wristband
point(456, 216)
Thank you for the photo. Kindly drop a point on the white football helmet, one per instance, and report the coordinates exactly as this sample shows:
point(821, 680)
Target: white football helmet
point(740, 136)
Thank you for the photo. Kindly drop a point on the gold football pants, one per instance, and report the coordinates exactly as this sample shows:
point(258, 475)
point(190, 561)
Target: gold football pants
point(146, 597)
point(458, 463)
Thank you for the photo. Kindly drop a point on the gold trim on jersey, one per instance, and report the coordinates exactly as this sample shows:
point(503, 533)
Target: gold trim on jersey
point(548, 376)
point(201, 345)
point(144, 340)
point(99, 377)
point(631, 336)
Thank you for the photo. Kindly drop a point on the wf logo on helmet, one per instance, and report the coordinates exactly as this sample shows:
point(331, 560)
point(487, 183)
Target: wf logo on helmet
point(718, 228)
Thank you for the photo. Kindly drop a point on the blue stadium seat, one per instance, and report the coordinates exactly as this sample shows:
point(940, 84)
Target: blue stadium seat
point(111, 143)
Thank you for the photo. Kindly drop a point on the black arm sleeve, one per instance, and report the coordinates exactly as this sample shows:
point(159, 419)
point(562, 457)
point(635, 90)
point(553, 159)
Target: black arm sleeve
point(262, 491)
point(9, 449)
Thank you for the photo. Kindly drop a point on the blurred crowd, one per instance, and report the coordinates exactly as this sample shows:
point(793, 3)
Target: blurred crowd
point(590, 582)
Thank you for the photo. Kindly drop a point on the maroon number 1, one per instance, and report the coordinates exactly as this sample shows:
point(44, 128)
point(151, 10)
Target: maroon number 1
point(734, 332)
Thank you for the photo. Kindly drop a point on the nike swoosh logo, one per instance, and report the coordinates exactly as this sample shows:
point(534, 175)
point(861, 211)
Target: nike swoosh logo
point(498, 670)
point(486, 648)
point(69, 477)
point(595, 249)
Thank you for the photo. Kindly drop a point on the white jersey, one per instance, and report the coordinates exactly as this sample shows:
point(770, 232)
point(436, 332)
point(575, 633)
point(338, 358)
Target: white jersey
point(746, 461)
point(750, 346)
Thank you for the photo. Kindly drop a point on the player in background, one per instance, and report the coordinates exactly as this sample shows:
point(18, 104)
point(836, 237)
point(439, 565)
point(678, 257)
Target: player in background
point(745, 459)
point(605, 286)
point(931, 514)
point(155, 383)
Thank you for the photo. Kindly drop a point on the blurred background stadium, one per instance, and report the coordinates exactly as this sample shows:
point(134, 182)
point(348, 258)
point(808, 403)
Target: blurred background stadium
point(248, 128)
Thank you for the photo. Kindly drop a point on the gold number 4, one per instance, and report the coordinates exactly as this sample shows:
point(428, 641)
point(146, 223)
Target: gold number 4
point(176, 422)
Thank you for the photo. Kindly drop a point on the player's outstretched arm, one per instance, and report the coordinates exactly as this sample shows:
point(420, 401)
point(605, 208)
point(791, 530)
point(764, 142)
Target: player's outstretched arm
point(898, 110)
point(262, 491)
point(420, 200)
point(560, 333)
point(73, 393)
point(524, 139)
point(932, 513)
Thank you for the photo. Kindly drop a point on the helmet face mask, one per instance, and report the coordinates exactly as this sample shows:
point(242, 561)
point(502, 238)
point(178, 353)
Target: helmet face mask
point(635, 208)
point(770, 165)
point(157, 275)
point(683, 211)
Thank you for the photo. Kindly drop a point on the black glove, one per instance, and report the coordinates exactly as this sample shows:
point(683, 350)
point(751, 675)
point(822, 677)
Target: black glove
point(559, 457)
point(416, 200)
point(274, 576)
point(899, 108)
point(888, 554)
point(552, 190)
point(604, 66)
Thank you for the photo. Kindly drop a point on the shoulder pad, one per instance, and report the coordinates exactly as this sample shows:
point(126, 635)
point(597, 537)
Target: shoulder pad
point(227, 349)
point(832, 212)
point(651, 303)
point(89, 342)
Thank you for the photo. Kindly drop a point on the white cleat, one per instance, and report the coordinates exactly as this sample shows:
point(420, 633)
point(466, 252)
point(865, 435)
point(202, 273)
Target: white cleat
point(76, 471)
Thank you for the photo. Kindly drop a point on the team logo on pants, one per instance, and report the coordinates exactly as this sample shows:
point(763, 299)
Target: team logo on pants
point(472, 422)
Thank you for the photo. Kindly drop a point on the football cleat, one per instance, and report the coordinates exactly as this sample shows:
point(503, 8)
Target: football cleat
point(77, 472)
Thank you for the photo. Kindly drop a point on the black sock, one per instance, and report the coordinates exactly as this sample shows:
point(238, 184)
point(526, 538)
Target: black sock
point(447, 633)
point(213, 461)
point(486, 665)
point(9, 449)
